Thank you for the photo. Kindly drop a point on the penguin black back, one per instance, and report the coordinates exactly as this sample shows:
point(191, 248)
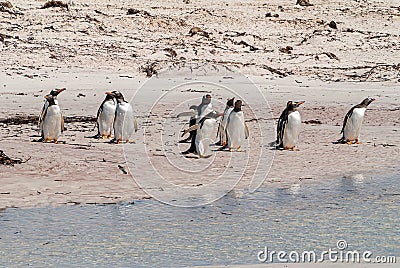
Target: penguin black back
point(363, 104)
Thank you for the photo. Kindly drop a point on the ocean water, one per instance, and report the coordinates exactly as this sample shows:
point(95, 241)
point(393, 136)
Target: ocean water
point(362, 210)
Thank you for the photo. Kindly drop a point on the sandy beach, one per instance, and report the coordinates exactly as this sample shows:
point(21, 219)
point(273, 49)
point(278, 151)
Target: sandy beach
point(289, 51)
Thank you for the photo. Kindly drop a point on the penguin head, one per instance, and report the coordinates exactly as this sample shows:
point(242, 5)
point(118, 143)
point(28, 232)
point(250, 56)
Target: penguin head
point(56, 91)
point(109, 95)
point(298, 103)
point(292, 105)
point(238, 106)
point(367, 101)
point(50, 99)
point(118, 95)
point(206, 99)
point(230, 102)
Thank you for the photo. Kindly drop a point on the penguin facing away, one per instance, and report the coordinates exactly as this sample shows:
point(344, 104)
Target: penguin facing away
point(224, 121)
point(52, 121)
point(236, 128)
point(54, 93)
point(353, 121)
point(289, 124)
point(125, 122)
point(106, 116)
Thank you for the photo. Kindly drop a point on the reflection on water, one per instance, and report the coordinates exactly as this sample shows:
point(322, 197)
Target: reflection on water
point(304, 216)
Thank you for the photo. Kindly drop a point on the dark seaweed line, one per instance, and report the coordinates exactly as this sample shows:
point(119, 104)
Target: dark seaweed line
point(33, 119)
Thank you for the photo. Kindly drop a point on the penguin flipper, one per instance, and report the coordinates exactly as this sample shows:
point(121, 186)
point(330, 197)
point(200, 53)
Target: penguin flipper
point(346, 118)
point(246, 130)
point(283, 119)
point(62, 123)
point(41, 117)
point(188, 113)
point(135, 123)
point(194, 127)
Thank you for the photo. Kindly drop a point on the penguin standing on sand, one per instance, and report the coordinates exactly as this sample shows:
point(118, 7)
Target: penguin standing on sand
point(203, 111)
point(289, 124)
point(125, 121)
point(236, 128)
point(106, 116)
point(204, 131)
point(353, 121)
point(196, 113)
point(54, 93)
point(224, 121)
point(53, 123)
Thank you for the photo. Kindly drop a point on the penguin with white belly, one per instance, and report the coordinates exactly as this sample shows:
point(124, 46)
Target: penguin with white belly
point(106, 116)
point(353, 121)
point(224, 121)
point(53, 123)
point(54, 93)
point(289, 124)
point(125, 123)
point(236, 128)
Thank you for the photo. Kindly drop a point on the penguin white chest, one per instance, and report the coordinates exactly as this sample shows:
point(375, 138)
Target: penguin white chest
point(224, 123)
point(106, 118)
point(204, 137)
point(124, 126)
point(353, 124)
point(235, 130)
point(52, 123)
point(292, 130)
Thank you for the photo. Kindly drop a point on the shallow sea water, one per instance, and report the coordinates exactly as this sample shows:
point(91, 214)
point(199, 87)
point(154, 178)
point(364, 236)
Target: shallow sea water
point(364, 211)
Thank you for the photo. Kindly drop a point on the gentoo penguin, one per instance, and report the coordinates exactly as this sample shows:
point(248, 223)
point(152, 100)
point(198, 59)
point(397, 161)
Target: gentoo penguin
point(289, 126)
point(224, 120)
point(106, 116)
point(204, 131)
point(125, 121)
point(353, 120)
point(52, 121)
point(197, 112)
point(236, 128)
point(54, 93)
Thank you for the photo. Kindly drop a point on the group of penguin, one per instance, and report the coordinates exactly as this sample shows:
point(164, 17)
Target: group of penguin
point(233, 129)
point(115, 118)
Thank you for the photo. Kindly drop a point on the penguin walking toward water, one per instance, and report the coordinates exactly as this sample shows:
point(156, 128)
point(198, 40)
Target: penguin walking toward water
point(224, 121)
point(54, 93)
point(289, 124)
point(236, 128)
point(106, 116)
point(353, 121)
point(125, 123)
point(53, 123)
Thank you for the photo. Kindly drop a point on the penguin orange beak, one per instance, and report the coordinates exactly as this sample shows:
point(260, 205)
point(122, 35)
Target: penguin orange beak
point(59, 90)
point(372, 100)
point(109, 93)
point(300, 103)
